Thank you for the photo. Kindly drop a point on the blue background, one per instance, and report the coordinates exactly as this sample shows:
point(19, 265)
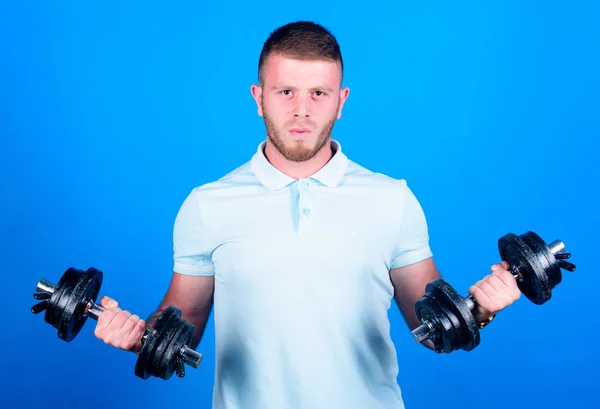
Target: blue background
point(110, 112)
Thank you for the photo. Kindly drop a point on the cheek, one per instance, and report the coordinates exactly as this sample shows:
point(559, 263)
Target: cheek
point(276, 108)
point(328, 110)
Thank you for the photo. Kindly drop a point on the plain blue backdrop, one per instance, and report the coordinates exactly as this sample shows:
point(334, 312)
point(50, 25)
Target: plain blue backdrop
point(111, 112)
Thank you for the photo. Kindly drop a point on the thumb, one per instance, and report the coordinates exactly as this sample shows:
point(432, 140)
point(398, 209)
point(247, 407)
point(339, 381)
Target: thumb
point(108, 302)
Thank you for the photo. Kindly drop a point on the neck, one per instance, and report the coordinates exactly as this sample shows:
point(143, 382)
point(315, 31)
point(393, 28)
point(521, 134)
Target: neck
point(298, 170)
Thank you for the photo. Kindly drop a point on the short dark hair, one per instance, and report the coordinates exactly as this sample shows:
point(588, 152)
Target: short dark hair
point(304, 40)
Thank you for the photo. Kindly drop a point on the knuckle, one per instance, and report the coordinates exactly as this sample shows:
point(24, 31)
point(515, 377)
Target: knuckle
point(499, 280)
point(474, 290)
point(120, 318)
point(106, 317)
point(124, 315)
point(130, 343)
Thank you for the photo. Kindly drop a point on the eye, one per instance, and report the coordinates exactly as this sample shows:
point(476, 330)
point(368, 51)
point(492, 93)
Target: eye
point(319, 93)
point(286, 92)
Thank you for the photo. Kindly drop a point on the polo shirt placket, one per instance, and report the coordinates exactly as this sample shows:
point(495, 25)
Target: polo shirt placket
point(305, 204)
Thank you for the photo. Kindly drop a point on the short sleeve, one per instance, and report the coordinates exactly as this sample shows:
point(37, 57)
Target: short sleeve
point(191, 252)
point(412, 243)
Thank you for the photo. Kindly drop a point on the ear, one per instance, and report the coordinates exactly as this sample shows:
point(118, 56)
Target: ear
point(343, 96)
point(256, 92)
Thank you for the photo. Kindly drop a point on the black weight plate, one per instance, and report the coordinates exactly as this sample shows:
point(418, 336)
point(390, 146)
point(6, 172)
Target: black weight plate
point(545, 257)
point(164, 343)
point(60, 299)
point(185, 340)
point(65, 284)
point(425, 310)
point(428, 309)
point(447, 333)
point(466, 326)
point(534, 284)
point(172, 355)
point(453, 339)
point(73, 318)
point(143, 365)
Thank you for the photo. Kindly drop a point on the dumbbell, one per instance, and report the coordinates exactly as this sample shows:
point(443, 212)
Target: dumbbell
point(446, 318)
point(68, 305)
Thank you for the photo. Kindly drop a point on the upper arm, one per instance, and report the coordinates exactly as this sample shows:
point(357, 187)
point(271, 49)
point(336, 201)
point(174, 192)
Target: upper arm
point(192, 294)
point(412, 265)
point(409, 285)
point(192, 284)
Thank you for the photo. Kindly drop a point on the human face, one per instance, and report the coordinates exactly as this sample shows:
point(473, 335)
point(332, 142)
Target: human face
point(300, 101)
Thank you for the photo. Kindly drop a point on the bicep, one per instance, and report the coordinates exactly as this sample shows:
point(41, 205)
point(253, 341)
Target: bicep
point(191, 293)
point(409, 285)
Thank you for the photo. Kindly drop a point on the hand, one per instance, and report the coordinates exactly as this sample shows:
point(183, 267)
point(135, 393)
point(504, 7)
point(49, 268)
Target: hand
point(494, 292)
point(119, 328)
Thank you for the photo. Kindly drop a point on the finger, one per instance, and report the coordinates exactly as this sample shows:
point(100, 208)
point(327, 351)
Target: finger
point(134, 340)
point(503, 291)
point(482, 300)
point(118, 321)
point(105, 319)
point(509, 281)
point(500, 266)
point(489, 300)
point(121, 336)
point(116, 324)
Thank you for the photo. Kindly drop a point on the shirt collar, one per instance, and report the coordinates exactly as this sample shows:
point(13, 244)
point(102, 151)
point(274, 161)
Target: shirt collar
point(330, 175)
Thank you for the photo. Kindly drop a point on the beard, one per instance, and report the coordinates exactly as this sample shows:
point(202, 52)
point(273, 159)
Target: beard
point(297, 151)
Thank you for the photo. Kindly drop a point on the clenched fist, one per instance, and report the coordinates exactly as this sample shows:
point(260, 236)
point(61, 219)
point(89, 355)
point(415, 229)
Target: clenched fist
point(494, 292)
point(118, 327)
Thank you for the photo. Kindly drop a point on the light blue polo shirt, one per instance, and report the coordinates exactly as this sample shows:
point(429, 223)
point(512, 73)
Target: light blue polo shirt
point(302, 286)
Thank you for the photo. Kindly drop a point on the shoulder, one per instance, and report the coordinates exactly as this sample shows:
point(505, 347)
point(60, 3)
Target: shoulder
point(380, 183)
point(238, 178)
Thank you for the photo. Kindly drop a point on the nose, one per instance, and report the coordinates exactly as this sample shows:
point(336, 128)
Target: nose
point(301, 107)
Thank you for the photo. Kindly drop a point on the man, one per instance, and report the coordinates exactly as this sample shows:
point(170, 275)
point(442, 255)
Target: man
point(302, 251)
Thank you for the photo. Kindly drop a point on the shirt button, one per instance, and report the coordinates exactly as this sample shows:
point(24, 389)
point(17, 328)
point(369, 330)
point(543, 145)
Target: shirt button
point(305, 183)
point(306, 210)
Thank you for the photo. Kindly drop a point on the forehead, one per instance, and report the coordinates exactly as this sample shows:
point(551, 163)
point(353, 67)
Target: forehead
point(280, 69)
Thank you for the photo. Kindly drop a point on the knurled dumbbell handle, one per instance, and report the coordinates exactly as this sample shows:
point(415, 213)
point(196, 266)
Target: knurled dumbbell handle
point(93, 311)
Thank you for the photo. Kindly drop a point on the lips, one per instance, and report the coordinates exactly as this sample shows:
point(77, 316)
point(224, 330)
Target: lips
point(300, 130)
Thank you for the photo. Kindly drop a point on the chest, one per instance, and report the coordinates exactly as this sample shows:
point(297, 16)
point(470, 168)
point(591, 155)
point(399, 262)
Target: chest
point(296, 240)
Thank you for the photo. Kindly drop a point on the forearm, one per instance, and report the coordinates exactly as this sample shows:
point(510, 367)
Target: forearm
point(199, 321)
point(196, 317)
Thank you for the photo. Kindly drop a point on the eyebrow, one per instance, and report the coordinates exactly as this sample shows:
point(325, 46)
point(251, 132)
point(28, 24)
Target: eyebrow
point(279, 87)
